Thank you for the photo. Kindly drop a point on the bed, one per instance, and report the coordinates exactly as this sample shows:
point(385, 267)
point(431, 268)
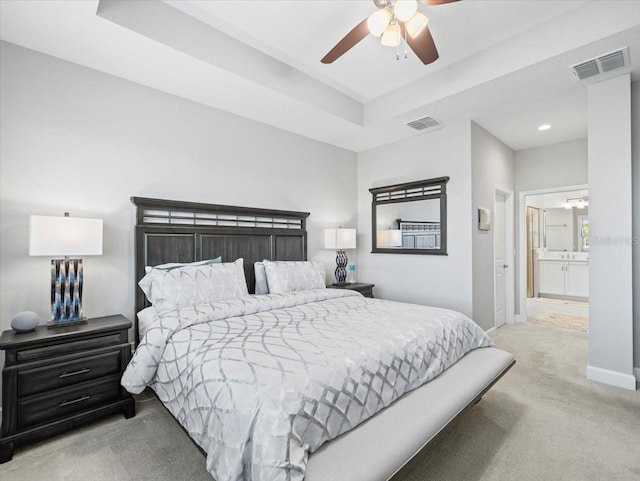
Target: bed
point(304, 412)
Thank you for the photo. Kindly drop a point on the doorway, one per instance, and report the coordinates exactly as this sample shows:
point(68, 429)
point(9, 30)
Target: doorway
point(554, 257)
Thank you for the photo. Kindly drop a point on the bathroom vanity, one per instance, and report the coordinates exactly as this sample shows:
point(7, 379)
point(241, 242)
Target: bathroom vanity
point(564, 274)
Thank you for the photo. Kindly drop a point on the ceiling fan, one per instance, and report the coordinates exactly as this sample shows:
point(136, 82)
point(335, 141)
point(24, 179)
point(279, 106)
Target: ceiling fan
point(394, 20)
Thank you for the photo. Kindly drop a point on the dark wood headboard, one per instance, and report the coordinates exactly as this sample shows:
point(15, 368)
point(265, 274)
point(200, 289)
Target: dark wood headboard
point(175, 231)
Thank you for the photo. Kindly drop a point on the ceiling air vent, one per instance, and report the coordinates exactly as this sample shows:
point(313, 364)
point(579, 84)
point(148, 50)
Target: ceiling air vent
point(599, 65)
point(424, 123)
point(586, 69)
point(611, 61)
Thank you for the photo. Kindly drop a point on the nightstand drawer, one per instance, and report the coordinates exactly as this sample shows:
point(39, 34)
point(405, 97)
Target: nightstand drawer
point(52, 405)
point(54, 376)
point(39, 353)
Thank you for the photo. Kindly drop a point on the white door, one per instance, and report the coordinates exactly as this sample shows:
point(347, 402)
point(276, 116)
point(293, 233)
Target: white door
point(500, 258)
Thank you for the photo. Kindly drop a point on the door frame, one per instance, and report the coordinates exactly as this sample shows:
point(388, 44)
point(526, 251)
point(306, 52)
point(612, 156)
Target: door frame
point(510, 255)
point(522, 242)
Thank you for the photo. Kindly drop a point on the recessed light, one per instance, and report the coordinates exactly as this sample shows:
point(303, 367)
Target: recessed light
point(544, 127)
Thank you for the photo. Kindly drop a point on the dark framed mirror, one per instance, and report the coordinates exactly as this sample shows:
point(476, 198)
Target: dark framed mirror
point(410, 218)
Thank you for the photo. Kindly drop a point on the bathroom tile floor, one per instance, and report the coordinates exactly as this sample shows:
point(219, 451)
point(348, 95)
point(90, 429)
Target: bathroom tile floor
point(542, 306)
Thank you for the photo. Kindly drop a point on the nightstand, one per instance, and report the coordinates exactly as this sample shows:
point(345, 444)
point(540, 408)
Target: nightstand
point(55, 379)
point(365, 289)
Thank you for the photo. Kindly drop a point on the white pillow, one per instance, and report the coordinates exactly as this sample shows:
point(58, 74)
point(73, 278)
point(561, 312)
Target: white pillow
point(173, 265)
point(287, 276)
point(145, 320)
point(191, 285)
point(261, 278)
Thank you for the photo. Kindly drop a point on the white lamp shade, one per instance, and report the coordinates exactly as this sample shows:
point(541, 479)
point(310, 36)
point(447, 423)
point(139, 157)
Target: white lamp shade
point(391, 36)
point(340, 238)
point(64, 236)
point(389, 238)
point(416, 24)
point(404, 9)
point(378, 21)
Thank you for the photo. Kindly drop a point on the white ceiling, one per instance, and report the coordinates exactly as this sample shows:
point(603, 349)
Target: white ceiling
point(503, 63)
point(301, 33)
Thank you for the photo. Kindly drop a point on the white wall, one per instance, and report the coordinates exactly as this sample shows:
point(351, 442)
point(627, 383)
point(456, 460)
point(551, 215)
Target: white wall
point(556, 165)
point(436, 280)
point(635, 149)
point(610, 233)
point(492, 164)
point(77, 140)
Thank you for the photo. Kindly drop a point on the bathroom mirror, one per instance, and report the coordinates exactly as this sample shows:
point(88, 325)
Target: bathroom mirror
point(566, 229)
point(410, 218)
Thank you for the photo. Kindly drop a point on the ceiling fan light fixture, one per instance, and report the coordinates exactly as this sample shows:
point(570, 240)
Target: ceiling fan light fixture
point(416, 24)
point(378, 21)
point(391, 36)
point(405, 9)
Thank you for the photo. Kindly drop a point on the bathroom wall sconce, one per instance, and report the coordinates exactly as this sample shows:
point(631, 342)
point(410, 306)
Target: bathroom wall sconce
point(577, 202)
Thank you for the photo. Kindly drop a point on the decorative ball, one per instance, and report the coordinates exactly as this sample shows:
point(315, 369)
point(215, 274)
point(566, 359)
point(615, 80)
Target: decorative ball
point(25, 321)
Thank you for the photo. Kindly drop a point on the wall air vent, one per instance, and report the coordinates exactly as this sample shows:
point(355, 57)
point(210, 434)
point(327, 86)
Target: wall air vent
point(604, 63)
point(424, 123)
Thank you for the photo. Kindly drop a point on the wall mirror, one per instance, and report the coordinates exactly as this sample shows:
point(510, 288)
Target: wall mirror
point(410, 218)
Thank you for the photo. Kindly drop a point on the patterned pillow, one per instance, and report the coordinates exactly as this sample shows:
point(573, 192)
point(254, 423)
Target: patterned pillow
point(190, 285)
point(261, 278)
point(287, 276)
point(173, 265)
point(145, 282)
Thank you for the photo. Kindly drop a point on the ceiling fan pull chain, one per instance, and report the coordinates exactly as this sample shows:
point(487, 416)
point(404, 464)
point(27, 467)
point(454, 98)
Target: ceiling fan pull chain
point(398, 46)
point(406, 52)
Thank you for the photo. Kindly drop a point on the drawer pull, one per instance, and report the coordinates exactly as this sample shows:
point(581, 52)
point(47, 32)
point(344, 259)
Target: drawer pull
point(80, 399)
point(74, 373)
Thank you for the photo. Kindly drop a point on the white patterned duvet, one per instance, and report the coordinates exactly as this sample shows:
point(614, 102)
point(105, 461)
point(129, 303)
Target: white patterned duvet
point(262, 381)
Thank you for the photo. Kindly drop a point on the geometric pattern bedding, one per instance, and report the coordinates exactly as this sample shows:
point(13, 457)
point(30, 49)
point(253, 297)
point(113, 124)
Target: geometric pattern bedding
point(262, 381)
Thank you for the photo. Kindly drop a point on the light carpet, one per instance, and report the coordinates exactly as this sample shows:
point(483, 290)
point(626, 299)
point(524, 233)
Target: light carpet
point(564, 320)
point(542, 421)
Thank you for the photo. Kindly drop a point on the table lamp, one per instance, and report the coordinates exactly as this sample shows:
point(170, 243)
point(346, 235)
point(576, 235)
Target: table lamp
point(65, 236)
point(340, 239)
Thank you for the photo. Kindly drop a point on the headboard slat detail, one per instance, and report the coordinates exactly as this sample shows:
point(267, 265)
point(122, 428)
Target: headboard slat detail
point(176, 231)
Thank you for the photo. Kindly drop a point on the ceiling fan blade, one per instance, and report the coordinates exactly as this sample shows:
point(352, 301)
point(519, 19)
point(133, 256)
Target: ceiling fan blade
point(359, 32)
point(437, 2)
point(423, 45)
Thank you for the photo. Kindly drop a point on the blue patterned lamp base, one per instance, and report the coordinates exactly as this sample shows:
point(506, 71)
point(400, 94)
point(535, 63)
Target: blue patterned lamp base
point(341, 268)
point(66, 292)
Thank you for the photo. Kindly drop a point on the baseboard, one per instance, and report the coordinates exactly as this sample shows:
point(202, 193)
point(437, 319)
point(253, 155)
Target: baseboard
point(614, 378)
point(636, 371)
point(491, 332)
